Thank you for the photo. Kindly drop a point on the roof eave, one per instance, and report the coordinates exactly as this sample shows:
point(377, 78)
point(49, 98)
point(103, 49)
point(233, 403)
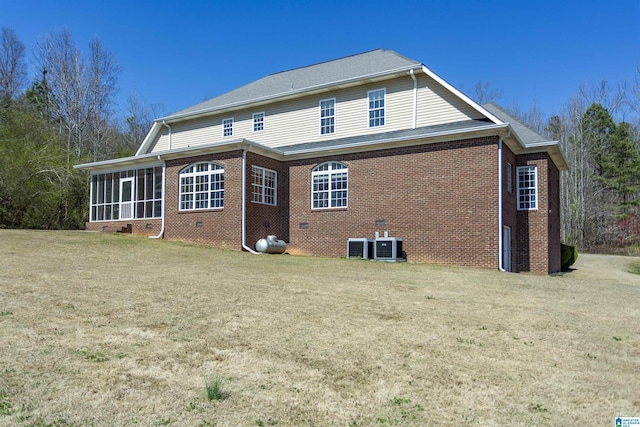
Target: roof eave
point(295, 93)
point(404, 141)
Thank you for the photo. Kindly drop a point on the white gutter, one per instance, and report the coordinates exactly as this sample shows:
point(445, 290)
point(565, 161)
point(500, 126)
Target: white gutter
point(415, 97)
point(244, 203)
point(164, 198)
point(164, 123)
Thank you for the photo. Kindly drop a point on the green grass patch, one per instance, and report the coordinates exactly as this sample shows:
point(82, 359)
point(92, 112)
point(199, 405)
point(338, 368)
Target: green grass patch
point(634, 267)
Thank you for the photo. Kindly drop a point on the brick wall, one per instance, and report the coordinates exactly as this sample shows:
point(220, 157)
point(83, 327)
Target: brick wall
point(441, 199)
point(538, 231)
point(509, 211)
point(145, 227)
point(220, 227)
point(263, 220)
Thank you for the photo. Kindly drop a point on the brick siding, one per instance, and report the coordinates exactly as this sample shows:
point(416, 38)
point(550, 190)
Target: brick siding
point(441, 199)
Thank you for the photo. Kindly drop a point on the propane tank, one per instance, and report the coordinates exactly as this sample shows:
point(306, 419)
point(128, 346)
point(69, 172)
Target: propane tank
point(271, 245)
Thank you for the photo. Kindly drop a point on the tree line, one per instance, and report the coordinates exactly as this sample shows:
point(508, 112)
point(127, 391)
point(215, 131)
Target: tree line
point(61, 116)
point(65, 114)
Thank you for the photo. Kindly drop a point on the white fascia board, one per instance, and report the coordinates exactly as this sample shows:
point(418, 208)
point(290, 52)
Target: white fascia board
point(462, 96)
point(153, 132)
point(289, 94)
point(379, 144)
point(152, 158)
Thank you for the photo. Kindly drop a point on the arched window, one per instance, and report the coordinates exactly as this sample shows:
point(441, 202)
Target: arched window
point(202, 186)
point(329, 185)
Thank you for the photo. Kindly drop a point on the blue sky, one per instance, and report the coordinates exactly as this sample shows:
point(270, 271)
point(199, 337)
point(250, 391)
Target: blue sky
point(177, 54)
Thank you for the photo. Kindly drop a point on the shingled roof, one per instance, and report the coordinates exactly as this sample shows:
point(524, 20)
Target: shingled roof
point(374, 63)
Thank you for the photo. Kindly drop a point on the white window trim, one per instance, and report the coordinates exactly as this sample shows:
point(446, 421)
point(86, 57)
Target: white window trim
point(229, 121)
point(262, 187)
point(115, 199)
point(535, 188)
point(194, 174)
point(254, 117)
point(384, 108)
point(320, 116)
point(330, 172)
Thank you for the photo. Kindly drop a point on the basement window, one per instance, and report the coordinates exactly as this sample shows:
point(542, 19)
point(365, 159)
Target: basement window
point(527, 187)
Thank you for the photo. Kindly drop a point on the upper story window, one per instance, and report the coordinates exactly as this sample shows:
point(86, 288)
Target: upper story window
point(227, 127)
point(329, 185)
point(202, 186)
point(509, 177)
point(327, 116)
point(258, 122)
point(527, 187)
point(264, 185)
point(376, 107)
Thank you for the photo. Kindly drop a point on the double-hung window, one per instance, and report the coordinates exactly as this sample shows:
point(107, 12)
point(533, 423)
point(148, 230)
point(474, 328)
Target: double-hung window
point(527, 188)
point(264, 185)
point(258, 122)
point(376, 107)
point(329, 186)
point(227, 127)
point(327, 116)
point(202, 187)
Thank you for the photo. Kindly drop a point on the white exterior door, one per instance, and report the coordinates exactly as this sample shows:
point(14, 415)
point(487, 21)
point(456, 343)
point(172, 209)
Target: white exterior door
point(506, 248)
point(126, 198)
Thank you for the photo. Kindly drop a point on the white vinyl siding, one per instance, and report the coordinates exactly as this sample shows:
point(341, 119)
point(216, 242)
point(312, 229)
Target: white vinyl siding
point(295, 121)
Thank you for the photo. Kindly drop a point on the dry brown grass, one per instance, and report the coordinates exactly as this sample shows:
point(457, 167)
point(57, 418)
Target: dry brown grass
point(115, 330)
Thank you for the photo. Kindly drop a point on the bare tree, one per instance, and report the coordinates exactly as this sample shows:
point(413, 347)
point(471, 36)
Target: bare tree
point(485, 93)
point(13, 70)
point(80, 90)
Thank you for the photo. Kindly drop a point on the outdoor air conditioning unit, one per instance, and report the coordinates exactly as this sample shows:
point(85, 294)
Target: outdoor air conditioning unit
point(388, 249)
point(360, 248)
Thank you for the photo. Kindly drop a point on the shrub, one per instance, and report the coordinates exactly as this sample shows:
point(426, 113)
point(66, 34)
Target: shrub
point(569, 255)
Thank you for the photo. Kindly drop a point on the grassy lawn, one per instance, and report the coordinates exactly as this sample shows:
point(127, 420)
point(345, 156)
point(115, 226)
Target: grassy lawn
point(117, 330)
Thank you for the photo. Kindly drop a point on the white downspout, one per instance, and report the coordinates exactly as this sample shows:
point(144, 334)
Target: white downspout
point(164, 182)
point(164, 123)
point(500, 226)
point(244, 203)
point(415, 98)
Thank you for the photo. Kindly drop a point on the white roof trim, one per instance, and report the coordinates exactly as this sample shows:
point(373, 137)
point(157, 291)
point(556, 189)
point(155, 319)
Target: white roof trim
point(462, 96)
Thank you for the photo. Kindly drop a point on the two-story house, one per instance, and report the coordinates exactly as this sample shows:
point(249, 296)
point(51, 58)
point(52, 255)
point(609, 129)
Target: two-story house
point(316, 155)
